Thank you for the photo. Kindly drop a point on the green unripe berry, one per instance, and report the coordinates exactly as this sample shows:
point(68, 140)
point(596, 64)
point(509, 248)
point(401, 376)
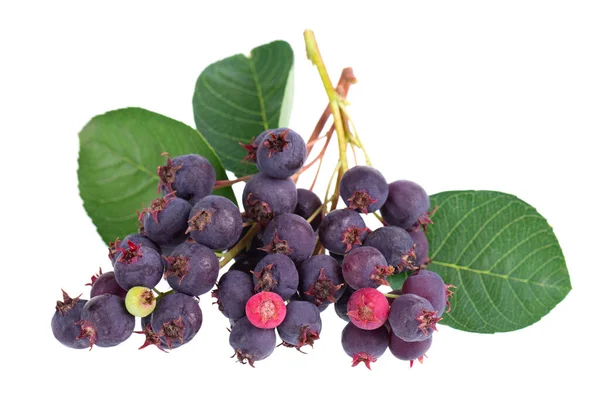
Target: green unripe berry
point(140, 301)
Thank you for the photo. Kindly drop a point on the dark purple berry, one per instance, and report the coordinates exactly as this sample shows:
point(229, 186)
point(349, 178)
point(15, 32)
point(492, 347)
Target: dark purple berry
point(233, 291)
point(265, 197)
point(321, 280)
point(105, 321)
point(430, 286)
point(138, 239)
point(308, 203)
point(193, 269)
point(138, 266)
point(406, 206)
point(409, 351)
point(64, 327)
point(166, 221)
point(276, 273)
point(105, 283)
point(291, 235)
point(396, 245)
point(365, 267)
point(363, 188)
point(302, 324)
point(342, 230)
point(191, 176)
point(412, 318)
point(281, 153)
point(176, 319)
point(341, 306)
point(251, 343)
point(364, 345)
point(215, 222)
point(421, 246)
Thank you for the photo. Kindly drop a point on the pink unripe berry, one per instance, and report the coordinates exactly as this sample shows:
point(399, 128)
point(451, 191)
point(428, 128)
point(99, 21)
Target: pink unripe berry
point(368, 308)
point(265, 310)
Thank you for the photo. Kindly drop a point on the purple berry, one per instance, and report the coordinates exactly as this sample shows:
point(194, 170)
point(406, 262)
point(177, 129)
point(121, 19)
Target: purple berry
point(421, 246)
point(396, 245)
point(166, 221)
point(308, 203)
point(406, 206)
point(301, 326)
point(193, 269)
point(412, 318)
point(105, 283)
point(64, 327)
point(365, 267)
point(233, 291)
point(215, 222)
point(105, 321)
point(138, 239)
point(251, 343)
point(430, 286)
point(363, 188)
point(364, 345)
point(265, 197)
point(409, 351)
point(176, 319)
point(341, 306)
point(191, 176)
point(281, 153)
point(321, 280)
point(342, 230)
point(138, 266)
point(276, 273)
point(291, 235)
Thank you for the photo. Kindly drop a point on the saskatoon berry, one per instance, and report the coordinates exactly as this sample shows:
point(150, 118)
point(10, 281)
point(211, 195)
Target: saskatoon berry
point(281, 153)
point(138, 239)
point(191, 176)
point(232, 293)
point(342, 230)
point(265, 197)
point(276, 273)
point(308, 203)
point(105, 321)
point(301, 326)
point(421, 246)
point(166, 221)
point(138, 266)
point(363, 188)
point(364, 345)
point(396, 245)
point(140, 301)
point(412, 318)
point(368, 308)
point(409, 351)
point(251, 343)
point(406, 206)
point(291, 235)
point(341, 306)
point(106, 283)
point(365, 267)
point(265, 310)
point(429, 285)
point(321, 280)
point(215, 222)
point(64, 327)
point(193, 269)
point(176, 319)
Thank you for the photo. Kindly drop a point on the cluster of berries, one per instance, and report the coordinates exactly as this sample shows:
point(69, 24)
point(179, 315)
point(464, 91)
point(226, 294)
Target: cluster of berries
point(282, 280)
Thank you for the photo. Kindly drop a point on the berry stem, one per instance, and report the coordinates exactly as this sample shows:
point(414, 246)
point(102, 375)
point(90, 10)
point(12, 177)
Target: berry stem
point(391, 296)
point(242, 244)
point(220, 184)
point(380, 218)
point(354, 133)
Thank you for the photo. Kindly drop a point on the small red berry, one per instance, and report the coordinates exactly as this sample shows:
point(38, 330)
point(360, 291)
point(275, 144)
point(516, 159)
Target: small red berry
point(265, 310)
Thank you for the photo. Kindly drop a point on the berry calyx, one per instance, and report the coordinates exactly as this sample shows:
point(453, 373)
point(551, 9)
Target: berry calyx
point(352, 236)
point(179, 266)
point(265, 280)
point(172, 331)
point(323, 289)
point(276, 141)
point(88, 331)
point(151, 338)
point(131, 254)
point(306, 337)
point(259, 210)
point(67, 303)
point(428, 321)
point(381, 272)
point(363, 357)
point(277, 246)
point(250, 149)
point(200, 220)
point(360, 200)
point(449, 294)
point(265, 310)
point(166, 173)
point(156, 206)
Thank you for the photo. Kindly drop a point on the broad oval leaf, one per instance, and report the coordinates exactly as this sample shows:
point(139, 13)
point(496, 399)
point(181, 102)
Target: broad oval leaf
point(502, 256)
point(118, 156)
point(239, 97)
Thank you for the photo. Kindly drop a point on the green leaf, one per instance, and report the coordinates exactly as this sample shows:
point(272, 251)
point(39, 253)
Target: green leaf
point(396, 281)
point(118, 156)
point(239, 97)
point(502, 256)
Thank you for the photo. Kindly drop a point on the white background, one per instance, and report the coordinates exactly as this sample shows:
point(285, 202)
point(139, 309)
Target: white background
point(453, 95)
